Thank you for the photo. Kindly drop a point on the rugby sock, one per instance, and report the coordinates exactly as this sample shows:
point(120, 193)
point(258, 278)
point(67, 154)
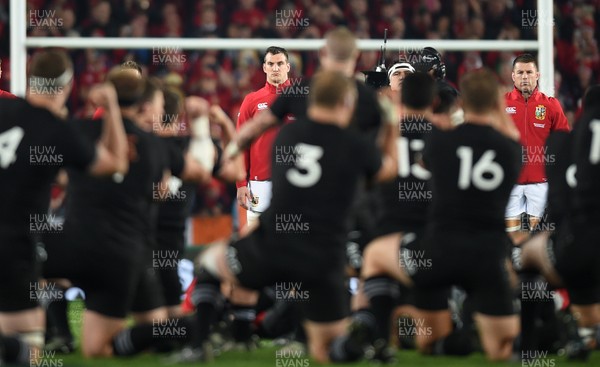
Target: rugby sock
point(382, 292)
point(458, 343)
point(16, 350)
point(206, 296)
point(243, 317)
point(57, 323)
point(133, 340)
point(350, 347)
point(159, 335)
point(266, 299)
point(529, 311)
point(279, 319)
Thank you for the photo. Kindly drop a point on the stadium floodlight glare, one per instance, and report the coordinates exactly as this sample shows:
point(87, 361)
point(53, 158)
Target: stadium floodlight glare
point(19, 42)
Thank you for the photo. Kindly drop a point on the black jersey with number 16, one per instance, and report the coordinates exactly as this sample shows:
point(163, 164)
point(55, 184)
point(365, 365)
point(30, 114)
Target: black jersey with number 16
point(474, 169)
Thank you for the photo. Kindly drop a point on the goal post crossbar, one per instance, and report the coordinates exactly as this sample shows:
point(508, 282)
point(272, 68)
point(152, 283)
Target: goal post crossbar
point(20, 42)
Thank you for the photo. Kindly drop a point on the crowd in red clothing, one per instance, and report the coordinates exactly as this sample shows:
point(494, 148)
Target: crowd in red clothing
point(225, 77)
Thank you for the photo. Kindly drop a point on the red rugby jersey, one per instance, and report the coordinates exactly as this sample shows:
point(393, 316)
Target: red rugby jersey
point(258, 157)
point(535, 118)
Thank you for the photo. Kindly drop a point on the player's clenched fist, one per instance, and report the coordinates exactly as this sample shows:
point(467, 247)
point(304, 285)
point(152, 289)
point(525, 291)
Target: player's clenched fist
point(103, 95)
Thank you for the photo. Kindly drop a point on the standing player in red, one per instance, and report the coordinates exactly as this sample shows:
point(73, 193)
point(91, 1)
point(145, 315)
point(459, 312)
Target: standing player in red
point(536, 115)
point(254, 193)
point(3, 93)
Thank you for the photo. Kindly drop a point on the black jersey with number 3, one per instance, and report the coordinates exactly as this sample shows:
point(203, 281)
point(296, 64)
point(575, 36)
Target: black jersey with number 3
point(316, 169)
point(34, 145)
point(473, 170)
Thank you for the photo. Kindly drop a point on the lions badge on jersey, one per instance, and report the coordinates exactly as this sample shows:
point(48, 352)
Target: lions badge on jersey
point(254, 201)
point(540, 112)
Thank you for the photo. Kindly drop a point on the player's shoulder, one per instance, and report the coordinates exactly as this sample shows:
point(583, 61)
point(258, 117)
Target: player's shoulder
point(512, 94)
point(543, 97)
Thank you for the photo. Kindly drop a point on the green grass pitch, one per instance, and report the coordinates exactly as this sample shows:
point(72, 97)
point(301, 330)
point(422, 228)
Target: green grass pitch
point(266, 356)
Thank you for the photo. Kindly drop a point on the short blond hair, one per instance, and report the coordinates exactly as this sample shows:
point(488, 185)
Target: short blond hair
point(479, 90)
point(330, 88)
point(341, 44)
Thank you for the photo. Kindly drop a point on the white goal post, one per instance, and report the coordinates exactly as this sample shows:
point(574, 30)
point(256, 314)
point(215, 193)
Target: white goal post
point(19, 42)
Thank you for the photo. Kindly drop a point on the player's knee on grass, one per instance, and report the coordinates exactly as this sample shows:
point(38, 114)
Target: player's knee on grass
point(318, 352)
point(457, 343)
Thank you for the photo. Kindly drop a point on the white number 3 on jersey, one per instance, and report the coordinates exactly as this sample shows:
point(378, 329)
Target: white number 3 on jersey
point(307, 157)
point(9, 142)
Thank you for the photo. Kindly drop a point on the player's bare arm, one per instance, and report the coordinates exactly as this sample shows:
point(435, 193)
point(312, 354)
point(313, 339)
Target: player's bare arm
point(111, 150)
point(389, 134)
point(219, 116)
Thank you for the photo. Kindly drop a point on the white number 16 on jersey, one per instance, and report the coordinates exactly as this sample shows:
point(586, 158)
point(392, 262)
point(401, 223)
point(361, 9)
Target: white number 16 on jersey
point(307, 157)
point(476, 173)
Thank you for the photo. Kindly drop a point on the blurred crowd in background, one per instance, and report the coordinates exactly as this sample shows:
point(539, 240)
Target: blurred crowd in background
point(225, 77)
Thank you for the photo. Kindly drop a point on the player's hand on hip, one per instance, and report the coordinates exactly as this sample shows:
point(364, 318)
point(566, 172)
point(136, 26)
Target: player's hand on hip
point(244, 197)
point(232, 169)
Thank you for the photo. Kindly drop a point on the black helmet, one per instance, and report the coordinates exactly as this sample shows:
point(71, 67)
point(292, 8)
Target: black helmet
point(431, 60)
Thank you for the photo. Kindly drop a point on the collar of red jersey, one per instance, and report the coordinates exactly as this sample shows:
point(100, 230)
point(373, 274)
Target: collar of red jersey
point(273, 89)
point(520, 95)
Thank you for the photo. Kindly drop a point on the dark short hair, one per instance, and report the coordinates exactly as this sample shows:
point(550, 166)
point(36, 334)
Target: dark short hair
point(274, 50)
point(174, 99)
point(447, 96)
point(151, 86)
point(50, 64)
point(525, 59)
point(129, 88)
point(418, 90)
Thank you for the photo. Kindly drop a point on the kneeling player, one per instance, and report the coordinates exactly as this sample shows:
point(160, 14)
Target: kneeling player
point(473, 169)
point(303, 230)
point(405, 202)
point(27, 173)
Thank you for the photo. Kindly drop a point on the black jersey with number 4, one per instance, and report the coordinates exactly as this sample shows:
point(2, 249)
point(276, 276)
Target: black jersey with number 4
point(316, 169)
point(34, 145)
point(406, 199)
point(586, 154)
point(474, 169)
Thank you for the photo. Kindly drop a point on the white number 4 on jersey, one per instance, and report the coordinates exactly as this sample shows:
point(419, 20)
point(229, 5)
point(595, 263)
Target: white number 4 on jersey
point(9, 142)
